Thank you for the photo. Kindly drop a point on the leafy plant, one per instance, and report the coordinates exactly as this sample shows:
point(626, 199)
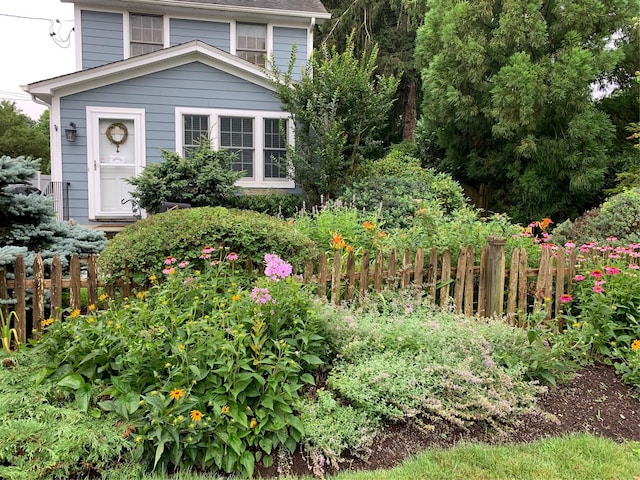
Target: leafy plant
point(602, 314)
point(143, 247)
point(204, 178)
point(7, 331)
point(206, 364)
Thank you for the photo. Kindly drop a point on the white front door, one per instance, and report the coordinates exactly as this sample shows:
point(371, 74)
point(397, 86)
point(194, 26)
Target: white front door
point(115, 152)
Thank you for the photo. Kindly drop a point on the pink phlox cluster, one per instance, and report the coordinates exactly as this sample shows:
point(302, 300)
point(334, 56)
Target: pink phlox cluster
point(276, 268)
point(261, 295)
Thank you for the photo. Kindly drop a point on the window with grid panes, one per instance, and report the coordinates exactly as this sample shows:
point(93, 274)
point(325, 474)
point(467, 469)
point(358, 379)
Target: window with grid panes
point(146, 33)
point(275, 148)
point(251, 43)
point(195, 130)
point(236, 135)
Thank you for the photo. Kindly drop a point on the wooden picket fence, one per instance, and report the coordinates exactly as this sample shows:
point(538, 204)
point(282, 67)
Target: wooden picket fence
point(485, 287)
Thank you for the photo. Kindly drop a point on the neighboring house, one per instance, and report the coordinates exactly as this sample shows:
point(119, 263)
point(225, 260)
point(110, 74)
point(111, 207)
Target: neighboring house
point(159, 74)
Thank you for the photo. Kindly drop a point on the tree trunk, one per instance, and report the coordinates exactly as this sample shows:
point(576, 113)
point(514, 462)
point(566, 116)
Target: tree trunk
point(409, 111)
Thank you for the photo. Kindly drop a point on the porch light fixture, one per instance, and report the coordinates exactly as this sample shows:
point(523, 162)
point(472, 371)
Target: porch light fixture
point(70, 132)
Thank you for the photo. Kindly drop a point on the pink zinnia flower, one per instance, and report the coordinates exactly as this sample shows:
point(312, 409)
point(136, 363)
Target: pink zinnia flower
point(611, 239)
point(232, 257)
point(598, 289)
point(569, 245)
point(183, 264)
point(169, 271)
point(169, 260)
point(611, 270)
point(634, 266)
point(579, 278)
point(614, 255)
point(565, 298)
point(596, 273)
point(585, 248)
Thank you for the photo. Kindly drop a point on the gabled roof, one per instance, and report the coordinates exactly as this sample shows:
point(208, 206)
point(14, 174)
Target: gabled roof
point(312, 9)
point(194, 51)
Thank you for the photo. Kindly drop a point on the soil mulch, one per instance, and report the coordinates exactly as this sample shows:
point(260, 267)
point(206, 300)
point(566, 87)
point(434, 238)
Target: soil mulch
point(595, 401)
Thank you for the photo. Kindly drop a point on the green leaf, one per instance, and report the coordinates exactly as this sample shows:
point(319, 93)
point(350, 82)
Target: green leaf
point(72, 381)
point(291, 444)
point(548, 377)
point(121, 385)
point(266, 444)
point(131, 401)
point(307, 378)
point(312, 359)
point(532, 335)
point(267, 461)
point(235, 443)
point(83, 396)
point(248, 462)
point(159, 451)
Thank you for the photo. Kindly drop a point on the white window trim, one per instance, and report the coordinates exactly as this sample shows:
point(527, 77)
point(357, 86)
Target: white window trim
point(126, 31)
point(258, 180)
point(233, 41)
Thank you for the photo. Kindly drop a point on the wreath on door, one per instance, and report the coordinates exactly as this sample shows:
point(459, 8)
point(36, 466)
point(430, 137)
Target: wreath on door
point(117, 134)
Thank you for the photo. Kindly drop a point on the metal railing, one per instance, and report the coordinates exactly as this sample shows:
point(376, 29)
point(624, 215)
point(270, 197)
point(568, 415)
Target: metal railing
point(59, 191)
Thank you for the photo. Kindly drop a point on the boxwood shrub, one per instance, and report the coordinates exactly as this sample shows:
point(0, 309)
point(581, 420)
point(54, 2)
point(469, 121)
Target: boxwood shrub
point(144, 246)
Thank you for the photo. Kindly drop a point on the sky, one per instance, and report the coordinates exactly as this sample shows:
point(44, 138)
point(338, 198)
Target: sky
point(29, 53)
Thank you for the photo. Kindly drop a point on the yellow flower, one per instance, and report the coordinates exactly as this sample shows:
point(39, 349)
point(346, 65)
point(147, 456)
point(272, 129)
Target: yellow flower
point(253, 423)
point(47, 322)
point(235, 298)
point(180, 347)
point(225, 409)
point(576, 325)
point(91, 307)
point(635, 345)
point(153, 278)
point(176, 394)
point(91, 320)
point(196, 415)
point(141, 295)
point(103, 297)
point(75, 313)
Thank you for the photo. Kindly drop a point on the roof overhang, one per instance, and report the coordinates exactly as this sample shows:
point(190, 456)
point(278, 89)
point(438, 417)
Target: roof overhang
point(181, 6)
point(194, 51)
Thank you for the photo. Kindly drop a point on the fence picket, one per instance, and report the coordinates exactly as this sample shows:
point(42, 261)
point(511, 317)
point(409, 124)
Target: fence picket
point(336, 274)
point(364, 274)
point(392, 279)
point(461, 271)
point(92, 280)
point(323, 275)
point(56, 288)
point(38, 293)
point(351, 277)
point(377, 272)
point(512, 297)
point(74, 273)
point(445, 279)
point(433, 275)
point(418, 269)
point(20, 294)
point(405, 278)
point(560, 279)
point(469, 286)
point(482, 282)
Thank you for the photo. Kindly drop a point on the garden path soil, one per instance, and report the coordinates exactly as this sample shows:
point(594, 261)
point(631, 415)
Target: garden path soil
point(595, 401)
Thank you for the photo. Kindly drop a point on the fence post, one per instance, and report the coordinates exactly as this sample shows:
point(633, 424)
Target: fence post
point(495, 276)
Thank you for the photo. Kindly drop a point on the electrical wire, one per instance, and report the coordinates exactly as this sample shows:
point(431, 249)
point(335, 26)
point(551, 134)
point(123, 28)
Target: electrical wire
point(55, 28)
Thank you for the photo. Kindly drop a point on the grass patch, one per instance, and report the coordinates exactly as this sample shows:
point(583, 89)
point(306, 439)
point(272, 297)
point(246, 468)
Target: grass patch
point(570, 457)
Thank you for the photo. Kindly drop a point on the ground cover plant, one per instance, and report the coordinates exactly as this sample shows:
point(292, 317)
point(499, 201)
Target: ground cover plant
point(205, 366)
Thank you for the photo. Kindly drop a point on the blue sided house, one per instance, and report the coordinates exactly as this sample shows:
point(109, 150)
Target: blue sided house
point(160, 74)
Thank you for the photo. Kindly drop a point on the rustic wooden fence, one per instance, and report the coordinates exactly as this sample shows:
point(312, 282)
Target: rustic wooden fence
point(474, 286)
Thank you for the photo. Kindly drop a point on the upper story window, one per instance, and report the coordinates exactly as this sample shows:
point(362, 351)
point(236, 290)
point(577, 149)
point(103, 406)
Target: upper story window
point(146, 33)
point(251, 43)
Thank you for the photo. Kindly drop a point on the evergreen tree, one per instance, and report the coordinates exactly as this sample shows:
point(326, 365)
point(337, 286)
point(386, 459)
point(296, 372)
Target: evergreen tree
point(507, 96)
point(28, 223)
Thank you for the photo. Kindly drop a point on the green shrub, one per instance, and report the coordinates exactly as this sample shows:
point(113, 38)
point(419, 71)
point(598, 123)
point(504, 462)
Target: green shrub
point(204, 178)
point(205, 366)
point(618, 216)
point(144, 245)
point(396, 187)
point(281, 205)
